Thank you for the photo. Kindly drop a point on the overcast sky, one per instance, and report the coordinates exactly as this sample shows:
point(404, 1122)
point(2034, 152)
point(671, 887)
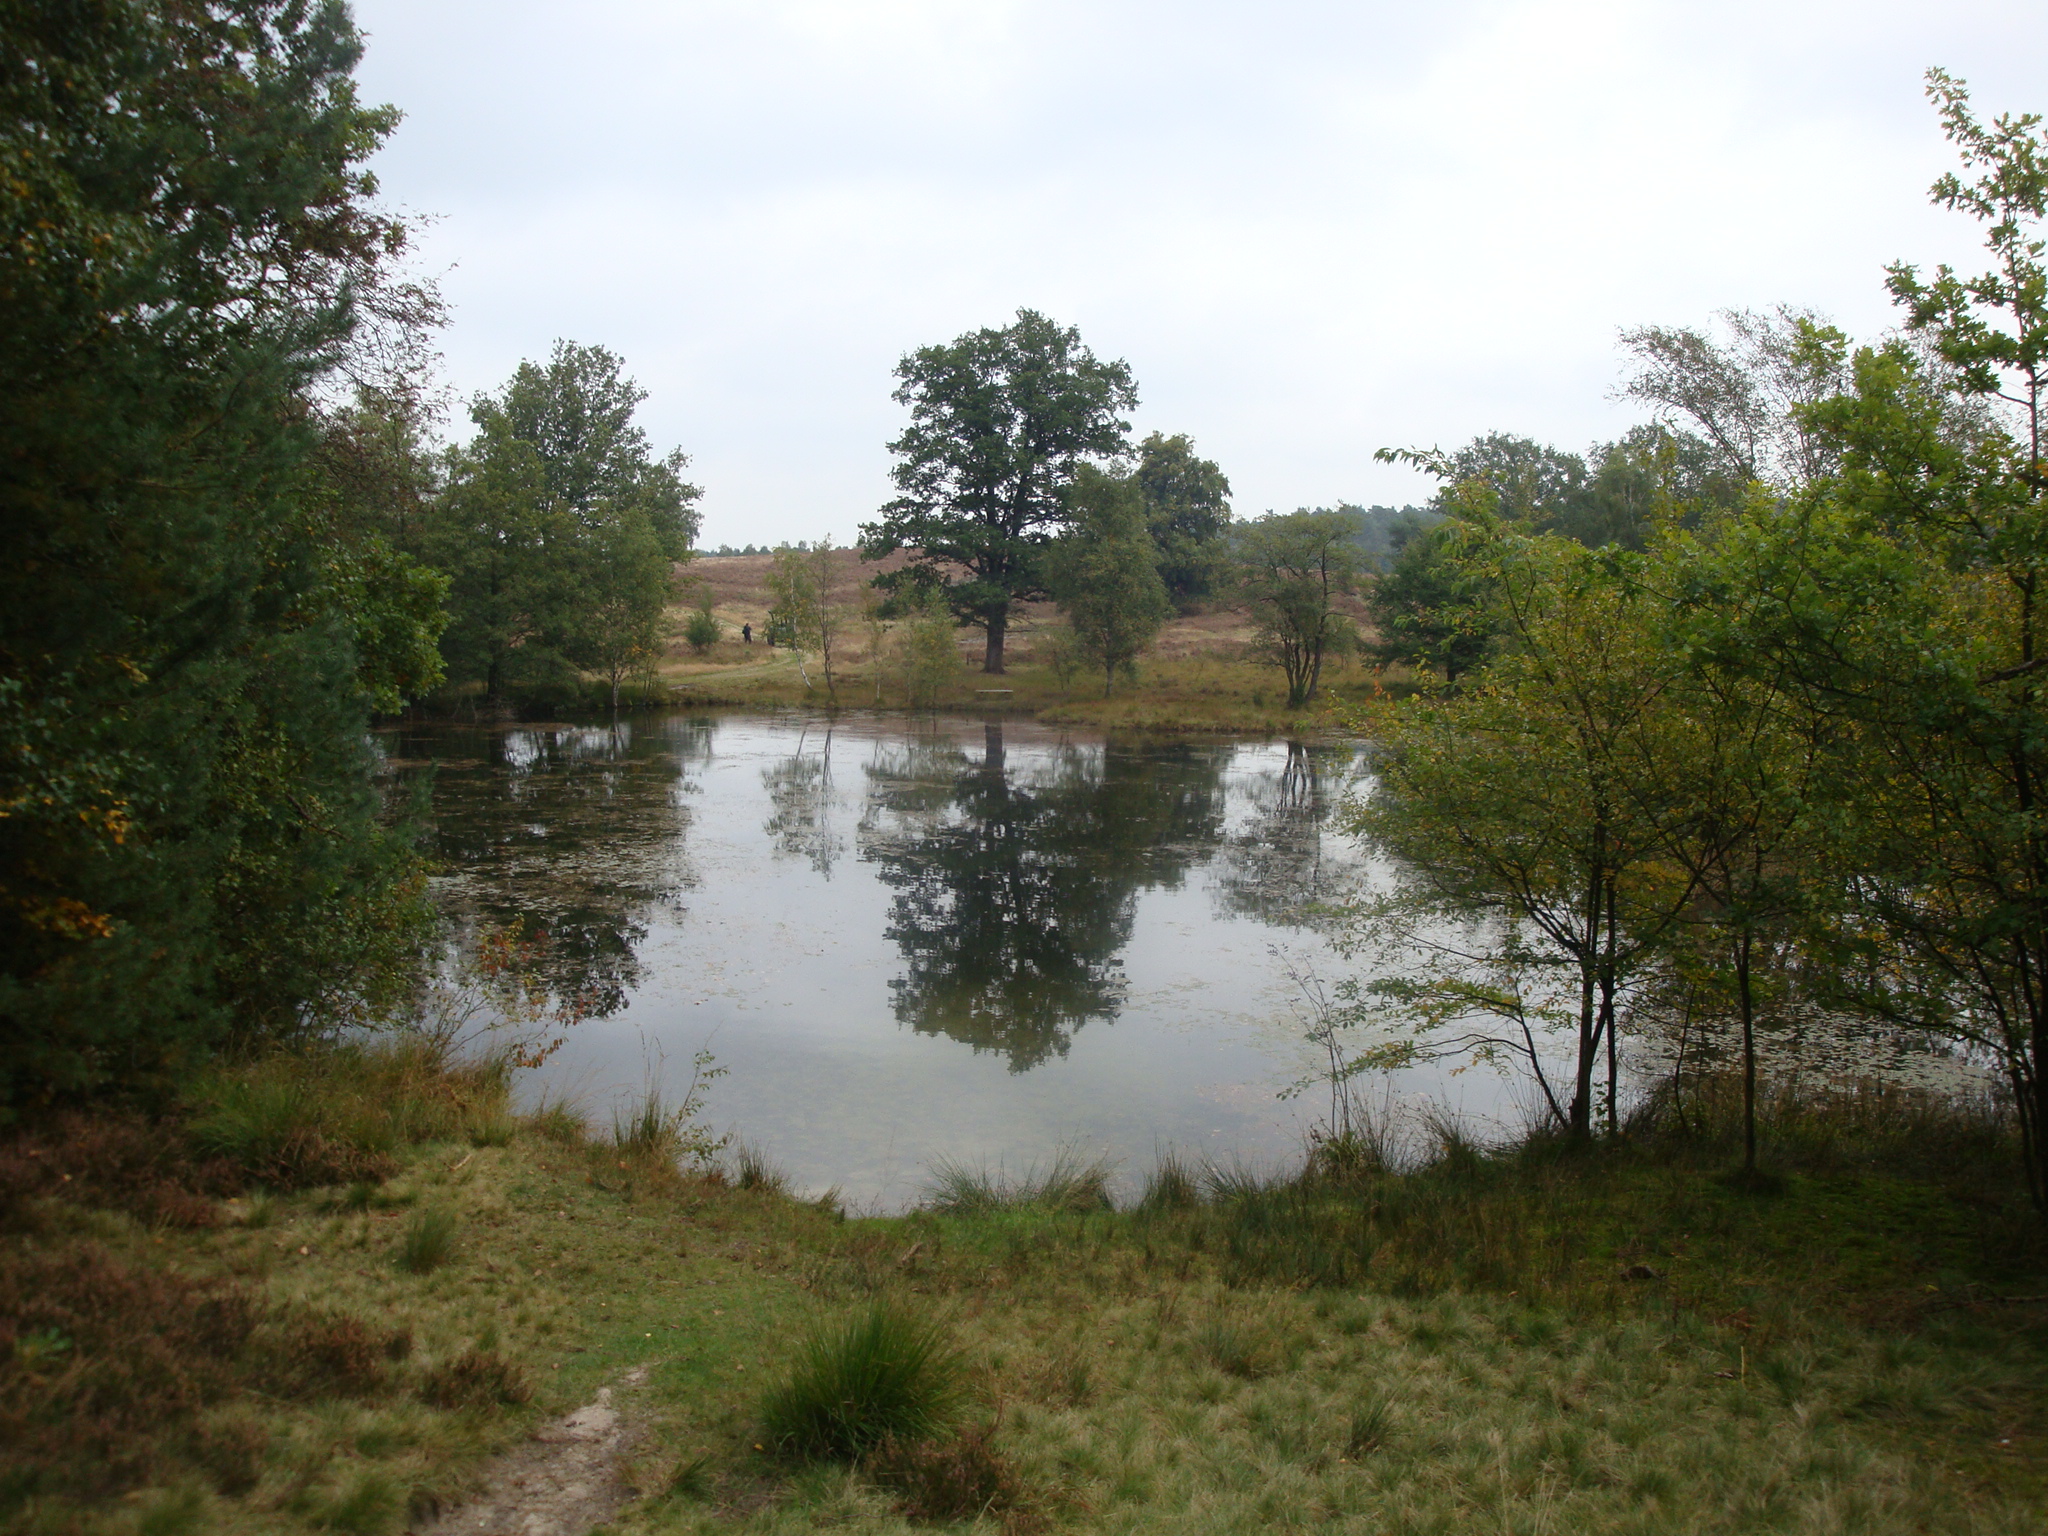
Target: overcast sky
point(1312, 229)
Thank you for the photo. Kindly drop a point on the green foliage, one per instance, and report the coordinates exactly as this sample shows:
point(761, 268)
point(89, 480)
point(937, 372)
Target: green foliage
point(1103, 574)
point(1504, 800)
point(884, 1374)
point(1000, 422)
point(702, 629)
point(928, 650)
point(191, 626)
point(1292, 569)
point(1792, 760)
point(1187, 511)
point(802, 615)
point(1430, 610)
point(559, 529)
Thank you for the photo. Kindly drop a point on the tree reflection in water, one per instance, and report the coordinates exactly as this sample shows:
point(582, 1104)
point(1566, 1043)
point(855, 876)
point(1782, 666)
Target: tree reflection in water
point(1015, 892)
point(1275, 868)
point(575, 831)
point(800, 796)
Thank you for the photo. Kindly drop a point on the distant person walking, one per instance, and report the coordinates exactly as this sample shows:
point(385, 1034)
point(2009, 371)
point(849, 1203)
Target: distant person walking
point(747, 633)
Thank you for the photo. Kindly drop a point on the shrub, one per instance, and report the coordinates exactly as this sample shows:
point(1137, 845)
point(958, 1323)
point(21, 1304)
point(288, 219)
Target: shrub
point(702, 630)
point(477, 1378)
point(884, 1374)
point(231, 1448)
point(334, 1354)
point(429, 1241)
point(117, 1162)
point(103, 1364)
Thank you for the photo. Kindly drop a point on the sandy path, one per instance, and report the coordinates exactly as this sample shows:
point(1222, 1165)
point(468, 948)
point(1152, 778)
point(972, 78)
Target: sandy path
point(561, 1483)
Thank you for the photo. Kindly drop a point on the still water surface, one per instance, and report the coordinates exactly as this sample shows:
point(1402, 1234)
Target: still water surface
point(911, 940)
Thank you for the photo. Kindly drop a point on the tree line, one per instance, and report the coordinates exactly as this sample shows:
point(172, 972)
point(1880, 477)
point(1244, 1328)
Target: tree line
point(227, 539)
point(1777, 751)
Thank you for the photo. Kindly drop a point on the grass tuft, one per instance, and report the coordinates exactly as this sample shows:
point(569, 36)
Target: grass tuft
point(752, 1168)
point(371, 1506)
point(558, 1120)
point(1071, 1183)
point(1173, 1185)
point(1236, 1348)
point(429, 1241)
point(884, 1374)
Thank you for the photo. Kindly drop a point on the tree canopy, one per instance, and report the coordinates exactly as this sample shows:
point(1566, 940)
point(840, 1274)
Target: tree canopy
point(1787, 762)
point(1187, 510)
point(1000, 422)
point(559, 527)
point(1292, 569)
point(1105, 576)
point(193, 624)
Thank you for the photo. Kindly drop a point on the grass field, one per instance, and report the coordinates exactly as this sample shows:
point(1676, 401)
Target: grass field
point(1198, 678)
point(1532, 1341)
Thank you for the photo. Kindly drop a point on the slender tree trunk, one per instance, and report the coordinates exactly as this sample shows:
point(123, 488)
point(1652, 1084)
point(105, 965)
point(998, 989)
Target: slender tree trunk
point(1589, 1052)
point(1746, 1004)
point(998, 625)
point(1589, 1012)
point(1607, 1020)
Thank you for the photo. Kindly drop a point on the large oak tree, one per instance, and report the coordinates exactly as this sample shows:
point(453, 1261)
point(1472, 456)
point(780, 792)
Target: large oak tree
point(1000, 421)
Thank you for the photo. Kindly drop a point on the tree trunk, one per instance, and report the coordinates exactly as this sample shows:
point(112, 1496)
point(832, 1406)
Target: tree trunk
point(1607, 1021)
point(998, 624)
point(1589, 1052)
point(1746, 1003)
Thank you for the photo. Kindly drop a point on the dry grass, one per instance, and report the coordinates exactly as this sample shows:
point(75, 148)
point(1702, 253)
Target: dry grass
point(1454, 1347)
point(1195, 679)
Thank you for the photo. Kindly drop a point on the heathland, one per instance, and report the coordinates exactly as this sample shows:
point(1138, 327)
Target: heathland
point(1203, 673)
point(343, 1288)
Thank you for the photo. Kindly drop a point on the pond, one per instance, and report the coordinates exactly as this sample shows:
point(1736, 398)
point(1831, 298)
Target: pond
point(913, 940)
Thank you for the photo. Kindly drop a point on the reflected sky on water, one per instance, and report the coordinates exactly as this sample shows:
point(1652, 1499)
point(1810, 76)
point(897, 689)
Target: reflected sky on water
point(913, 939)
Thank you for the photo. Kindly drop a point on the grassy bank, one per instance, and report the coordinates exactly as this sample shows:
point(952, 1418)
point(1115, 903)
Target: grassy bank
point(1535, 1340)
point(1199, 677)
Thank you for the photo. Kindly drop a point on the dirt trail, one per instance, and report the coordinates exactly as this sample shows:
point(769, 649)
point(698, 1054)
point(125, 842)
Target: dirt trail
point(561, 1483)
